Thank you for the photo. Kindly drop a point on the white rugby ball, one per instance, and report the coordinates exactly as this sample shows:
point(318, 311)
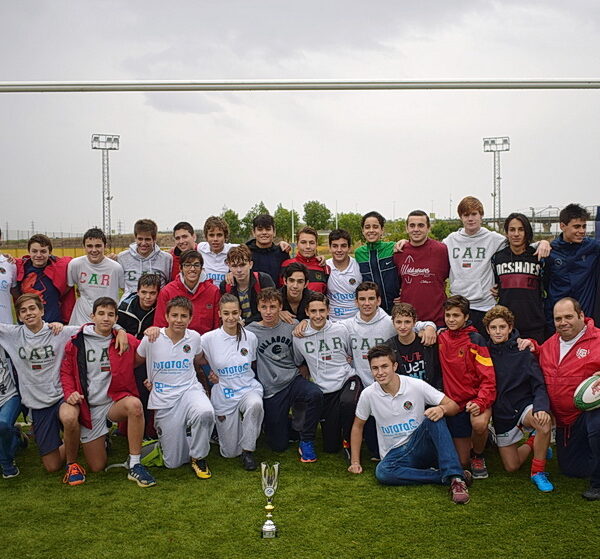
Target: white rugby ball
point(585, 397)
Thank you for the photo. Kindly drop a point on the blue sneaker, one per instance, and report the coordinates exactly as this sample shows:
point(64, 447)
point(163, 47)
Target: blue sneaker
point(141, 476)
point(542, 482)
point(10, 470)
point(307, 451)
point(549, 453)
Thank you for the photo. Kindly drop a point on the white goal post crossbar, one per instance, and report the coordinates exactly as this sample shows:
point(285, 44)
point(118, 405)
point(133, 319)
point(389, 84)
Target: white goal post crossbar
point(286, 85)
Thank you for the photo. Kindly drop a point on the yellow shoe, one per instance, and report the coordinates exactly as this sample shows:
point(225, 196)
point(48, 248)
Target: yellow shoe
point(200, 467)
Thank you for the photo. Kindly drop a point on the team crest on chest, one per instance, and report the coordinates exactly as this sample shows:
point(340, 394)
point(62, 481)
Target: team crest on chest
point(581, 353)
point(2, 270)
point(408, 405)
point(186, 348)
point(352, 281)
point(244, 351)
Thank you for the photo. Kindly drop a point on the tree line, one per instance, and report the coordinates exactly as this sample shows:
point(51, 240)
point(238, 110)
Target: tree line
point(318, 215)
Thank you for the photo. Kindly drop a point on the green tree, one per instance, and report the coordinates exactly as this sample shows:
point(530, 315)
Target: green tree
point(283, 222)
point(235, 225)
point(317, 215)
point(351, 223)
point(255, 210)
point(395, 230)
point(443, 227)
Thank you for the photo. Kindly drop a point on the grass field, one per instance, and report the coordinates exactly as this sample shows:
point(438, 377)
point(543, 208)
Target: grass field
point(320, 509)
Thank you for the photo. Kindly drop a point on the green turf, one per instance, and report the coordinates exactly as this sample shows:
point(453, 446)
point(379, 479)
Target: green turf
point(320, 509)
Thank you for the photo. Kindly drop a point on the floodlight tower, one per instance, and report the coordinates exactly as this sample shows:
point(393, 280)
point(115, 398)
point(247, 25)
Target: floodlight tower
point(105, 142)
point(496, 145)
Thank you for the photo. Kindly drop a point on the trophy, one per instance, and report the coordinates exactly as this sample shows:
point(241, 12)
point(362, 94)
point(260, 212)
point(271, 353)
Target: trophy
point(270, 475)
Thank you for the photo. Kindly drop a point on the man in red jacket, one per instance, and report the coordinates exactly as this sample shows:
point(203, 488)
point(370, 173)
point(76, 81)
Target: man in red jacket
point(99, 385)
point(569, 357)
point(204, 295)
point(42, 273)
point(469, 379)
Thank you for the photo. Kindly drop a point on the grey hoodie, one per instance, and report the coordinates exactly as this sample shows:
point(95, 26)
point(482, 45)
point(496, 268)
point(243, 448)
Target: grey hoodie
point(134, 265)
point(326, 352)
point(471, 273)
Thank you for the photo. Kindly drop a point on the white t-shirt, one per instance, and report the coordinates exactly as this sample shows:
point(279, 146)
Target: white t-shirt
point(37, 359)
point(170, 367)
point(341, 290)
point(93, 281)
point(232, 362)
point(214, 264)
point(98, 365)
point(398, 416)
point(8, 279)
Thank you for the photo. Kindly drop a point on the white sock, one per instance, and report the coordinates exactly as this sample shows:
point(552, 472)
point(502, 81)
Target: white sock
point(134, 459)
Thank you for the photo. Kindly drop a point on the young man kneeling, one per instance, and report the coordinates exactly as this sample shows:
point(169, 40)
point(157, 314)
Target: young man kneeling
point(99, 385)
point(414, 443)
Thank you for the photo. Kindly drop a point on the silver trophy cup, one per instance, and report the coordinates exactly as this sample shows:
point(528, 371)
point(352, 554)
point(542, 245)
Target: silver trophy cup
point(270, 478)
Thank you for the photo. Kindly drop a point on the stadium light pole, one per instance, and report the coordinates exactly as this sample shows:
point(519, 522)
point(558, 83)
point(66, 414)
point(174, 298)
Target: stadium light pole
point(106, 142)
point(496, 145)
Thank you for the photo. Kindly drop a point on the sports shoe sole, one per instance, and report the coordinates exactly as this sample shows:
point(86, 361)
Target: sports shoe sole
point(140, 484)
point(305, 460)
point(10, 476)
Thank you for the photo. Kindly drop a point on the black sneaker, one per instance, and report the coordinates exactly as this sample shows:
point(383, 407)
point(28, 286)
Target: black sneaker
point(478, 467)
point(591, 494)
point(248, 461)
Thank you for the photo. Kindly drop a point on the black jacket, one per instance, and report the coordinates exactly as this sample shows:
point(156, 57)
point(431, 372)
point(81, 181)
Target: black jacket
point(133, 318)
point(267, 260)
point(519, 382)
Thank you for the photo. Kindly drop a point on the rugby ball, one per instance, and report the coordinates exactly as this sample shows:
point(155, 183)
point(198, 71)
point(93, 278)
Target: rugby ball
point(587, 398)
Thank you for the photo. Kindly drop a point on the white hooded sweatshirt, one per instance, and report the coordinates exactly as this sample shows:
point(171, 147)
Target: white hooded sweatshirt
point(471, 273)
point(326, 352)
point(134, 265)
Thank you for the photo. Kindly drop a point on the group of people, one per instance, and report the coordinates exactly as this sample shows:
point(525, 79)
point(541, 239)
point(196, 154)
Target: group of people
point(218, 341)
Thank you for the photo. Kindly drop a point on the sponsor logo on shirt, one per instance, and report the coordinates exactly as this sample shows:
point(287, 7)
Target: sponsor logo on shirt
point(397, 428)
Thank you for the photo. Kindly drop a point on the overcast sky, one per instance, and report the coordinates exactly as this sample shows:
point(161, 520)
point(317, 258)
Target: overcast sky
point(187, 155)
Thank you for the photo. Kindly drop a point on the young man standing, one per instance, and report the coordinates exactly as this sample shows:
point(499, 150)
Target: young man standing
point(375, 259)
point(203, 295)
point(470, 250)
point(344, 276)
point(423, 269)
point(572, 266)
point(266, 255)
point(95, 276)
point(184, 417)
point(326, 349)
point(246, 283)
point(284, 386)
point(294, 293)
point(99, 387)
point(144, 256)
point(185, 239)
point(308, 240)
point(469, 380)
point(414, 442)
point(136, 315)
point(42, 273)
point(215, 249)
point(36, 353)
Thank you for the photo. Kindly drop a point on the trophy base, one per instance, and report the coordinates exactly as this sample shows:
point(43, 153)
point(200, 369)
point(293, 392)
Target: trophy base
point(269, 530)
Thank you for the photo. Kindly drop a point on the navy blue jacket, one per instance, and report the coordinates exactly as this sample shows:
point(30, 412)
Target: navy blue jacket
point(572, 271)
point(519, 382)
point(267, 260)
